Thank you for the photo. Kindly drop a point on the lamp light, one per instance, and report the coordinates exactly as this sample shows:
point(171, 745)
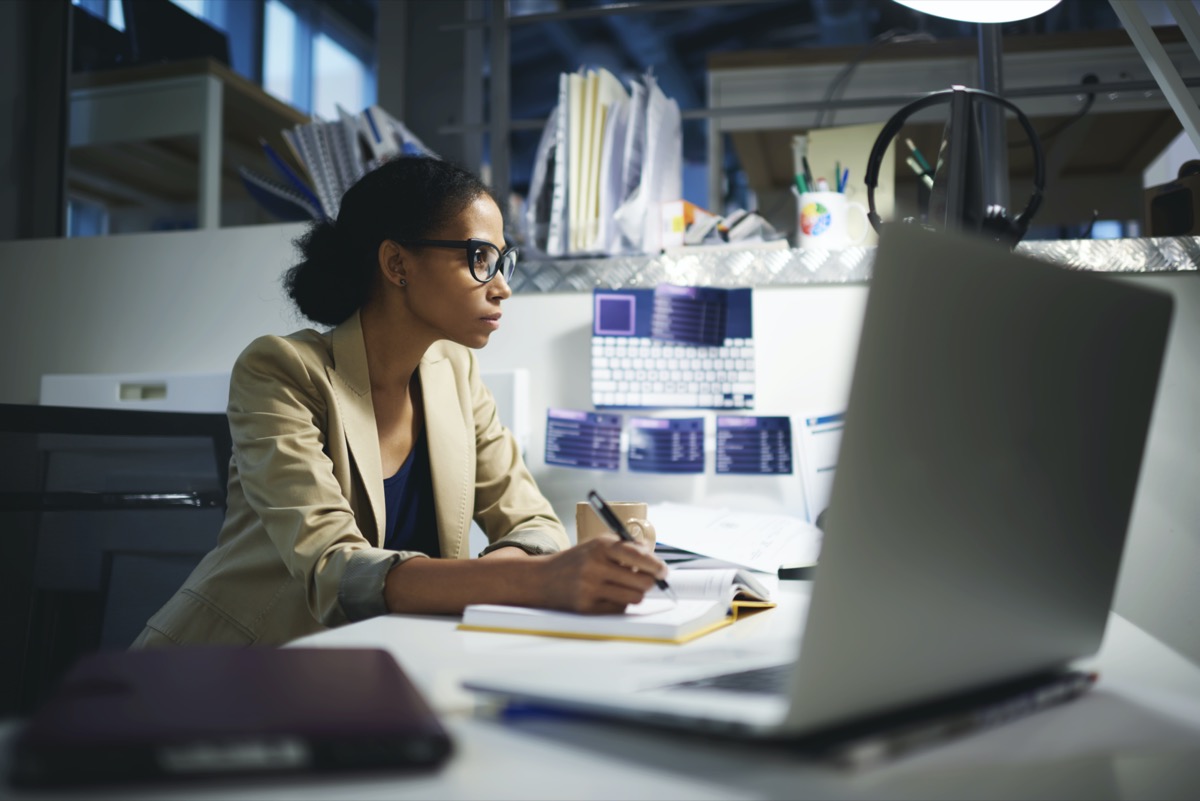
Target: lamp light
point(981, 10)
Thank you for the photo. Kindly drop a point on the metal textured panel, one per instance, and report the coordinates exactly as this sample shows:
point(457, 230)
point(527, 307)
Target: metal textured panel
point(770, 266)
point(1144, 255)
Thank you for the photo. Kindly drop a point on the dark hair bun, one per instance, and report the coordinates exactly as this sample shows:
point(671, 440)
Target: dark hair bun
point(320, 285)
point(407, 198)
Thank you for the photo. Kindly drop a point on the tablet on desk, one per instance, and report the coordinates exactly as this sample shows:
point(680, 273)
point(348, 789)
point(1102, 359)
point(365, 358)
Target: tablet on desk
point(218, 711)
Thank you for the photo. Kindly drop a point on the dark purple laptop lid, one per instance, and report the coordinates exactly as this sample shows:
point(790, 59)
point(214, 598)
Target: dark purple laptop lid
point(214, 710)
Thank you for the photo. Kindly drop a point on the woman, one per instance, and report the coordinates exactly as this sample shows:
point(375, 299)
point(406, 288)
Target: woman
point(360, 455)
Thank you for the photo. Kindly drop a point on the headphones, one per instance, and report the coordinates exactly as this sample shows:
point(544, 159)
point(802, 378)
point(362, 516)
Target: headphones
point(996, 223)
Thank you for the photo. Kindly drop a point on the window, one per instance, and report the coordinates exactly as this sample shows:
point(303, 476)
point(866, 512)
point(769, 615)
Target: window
point(194, 7)
point(315, 61)
point(338, 79)
point(279, 52)
point(111, 11)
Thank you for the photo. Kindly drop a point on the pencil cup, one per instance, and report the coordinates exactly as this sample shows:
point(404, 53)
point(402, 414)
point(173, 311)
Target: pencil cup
point(588, 524)
point(823, 220)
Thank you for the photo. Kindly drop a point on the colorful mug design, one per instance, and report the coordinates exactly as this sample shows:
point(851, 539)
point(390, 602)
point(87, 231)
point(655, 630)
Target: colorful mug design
point(815, 219)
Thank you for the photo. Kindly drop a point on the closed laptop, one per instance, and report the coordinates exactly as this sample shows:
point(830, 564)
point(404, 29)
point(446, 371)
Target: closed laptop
point(211, 711)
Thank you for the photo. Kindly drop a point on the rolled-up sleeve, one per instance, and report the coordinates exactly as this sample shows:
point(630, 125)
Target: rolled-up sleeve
point(278, 419)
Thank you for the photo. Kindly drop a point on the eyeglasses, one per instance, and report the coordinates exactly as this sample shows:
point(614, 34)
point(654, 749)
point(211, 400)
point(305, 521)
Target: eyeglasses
point(484, 258)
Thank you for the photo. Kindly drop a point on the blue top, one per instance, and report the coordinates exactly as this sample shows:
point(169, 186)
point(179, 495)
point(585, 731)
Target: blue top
point(411, 522)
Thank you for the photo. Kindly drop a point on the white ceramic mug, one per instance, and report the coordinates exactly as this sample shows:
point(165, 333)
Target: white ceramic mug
point(823, 220)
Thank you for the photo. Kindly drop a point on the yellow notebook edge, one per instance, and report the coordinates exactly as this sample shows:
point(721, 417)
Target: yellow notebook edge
point(748, 607)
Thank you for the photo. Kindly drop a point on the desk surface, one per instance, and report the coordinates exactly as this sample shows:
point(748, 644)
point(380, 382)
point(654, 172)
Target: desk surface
point(1136, 735)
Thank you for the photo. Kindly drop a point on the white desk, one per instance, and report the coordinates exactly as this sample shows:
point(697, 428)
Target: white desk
point(1136, 735)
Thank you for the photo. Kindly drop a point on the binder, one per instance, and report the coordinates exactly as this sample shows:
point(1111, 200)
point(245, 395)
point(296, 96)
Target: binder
point(281, 200)
point(343, 138)
point(290, 177)
point(315, 150)
point(556, 239)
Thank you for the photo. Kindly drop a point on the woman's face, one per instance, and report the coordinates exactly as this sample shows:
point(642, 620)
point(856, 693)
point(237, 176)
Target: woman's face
point(441, 292)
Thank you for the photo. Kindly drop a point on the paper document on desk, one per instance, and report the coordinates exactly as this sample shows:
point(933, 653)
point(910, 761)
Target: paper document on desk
point(758, 541)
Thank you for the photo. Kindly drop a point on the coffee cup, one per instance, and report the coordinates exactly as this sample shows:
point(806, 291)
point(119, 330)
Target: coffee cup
point(589, 525)
point(823, 220)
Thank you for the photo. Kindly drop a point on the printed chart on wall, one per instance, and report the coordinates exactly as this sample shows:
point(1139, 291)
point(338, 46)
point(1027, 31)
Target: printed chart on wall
point(754, 445)
point(666, 445)
point(583, 439)
point(819, 441)
point(673, 347)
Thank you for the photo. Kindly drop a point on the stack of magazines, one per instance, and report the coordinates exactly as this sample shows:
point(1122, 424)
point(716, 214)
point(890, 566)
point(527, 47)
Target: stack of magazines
point(332, 155)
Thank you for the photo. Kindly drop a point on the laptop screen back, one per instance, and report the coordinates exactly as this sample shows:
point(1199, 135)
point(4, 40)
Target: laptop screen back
point(995, 429)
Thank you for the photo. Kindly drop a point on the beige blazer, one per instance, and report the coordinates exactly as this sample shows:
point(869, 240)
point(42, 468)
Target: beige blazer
point(300, 549)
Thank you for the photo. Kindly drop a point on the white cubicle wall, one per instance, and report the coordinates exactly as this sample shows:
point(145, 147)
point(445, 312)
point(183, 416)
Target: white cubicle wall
point(190, 301)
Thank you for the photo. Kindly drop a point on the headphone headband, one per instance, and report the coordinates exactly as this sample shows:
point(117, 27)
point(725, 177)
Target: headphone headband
point(893, 126)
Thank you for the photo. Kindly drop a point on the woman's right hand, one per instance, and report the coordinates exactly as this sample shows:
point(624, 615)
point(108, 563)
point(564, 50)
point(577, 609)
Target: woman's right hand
point(601, 576)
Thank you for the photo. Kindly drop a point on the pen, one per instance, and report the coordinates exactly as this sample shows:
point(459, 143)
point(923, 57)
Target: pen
point(922, 174)
point(845, 179)
point(920, 159)
point(613, 522)
point(808, 176)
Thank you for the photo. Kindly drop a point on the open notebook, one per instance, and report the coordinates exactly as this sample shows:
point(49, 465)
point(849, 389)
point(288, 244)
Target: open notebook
point(708, 600)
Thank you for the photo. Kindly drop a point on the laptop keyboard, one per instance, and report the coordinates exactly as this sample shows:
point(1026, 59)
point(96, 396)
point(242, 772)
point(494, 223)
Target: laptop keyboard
point(765, 681)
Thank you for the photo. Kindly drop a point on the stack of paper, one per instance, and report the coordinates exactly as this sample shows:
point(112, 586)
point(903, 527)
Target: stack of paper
point(333, 155)
point(607, 160)
point(759, 541)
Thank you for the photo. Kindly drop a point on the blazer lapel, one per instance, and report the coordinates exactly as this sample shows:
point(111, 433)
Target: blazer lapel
point(352, 385)
point(449, 461)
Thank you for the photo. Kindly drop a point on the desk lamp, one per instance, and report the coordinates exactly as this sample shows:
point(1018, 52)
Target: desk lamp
point(981, 10)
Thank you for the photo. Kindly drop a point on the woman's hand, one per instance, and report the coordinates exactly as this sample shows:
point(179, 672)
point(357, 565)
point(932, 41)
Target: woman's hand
point(603, 575)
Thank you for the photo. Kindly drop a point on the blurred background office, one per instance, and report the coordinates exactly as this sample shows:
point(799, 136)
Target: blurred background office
point(480, 93)
point(134, 260)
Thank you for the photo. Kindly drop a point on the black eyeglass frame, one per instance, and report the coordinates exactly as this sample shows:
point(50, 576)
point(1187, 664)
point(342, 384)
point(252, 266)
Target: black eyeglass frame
point(471, 246)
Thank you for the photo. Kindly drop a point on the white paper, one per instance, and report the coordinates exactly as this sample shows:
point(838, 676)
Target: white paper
point(610, 97)
point(661, 175)
point(763, 542)
point(576, 99)
point(819, 442)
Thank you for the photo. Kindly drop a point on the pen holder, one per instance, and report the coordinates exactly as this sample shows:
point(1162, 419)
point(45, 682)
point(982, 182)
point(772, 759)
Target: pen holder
point(823, 220)
point(589, 525)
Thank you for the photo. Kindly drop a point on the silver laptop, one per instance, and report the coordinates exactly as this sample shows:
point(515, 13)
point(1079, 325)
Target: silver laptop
point(994, 433)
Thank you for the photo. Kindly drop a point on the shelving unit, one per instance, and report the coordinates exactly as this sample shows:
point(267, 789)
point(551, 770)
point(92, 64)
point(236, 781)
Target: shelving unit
point(171, 134)
point(762, 97)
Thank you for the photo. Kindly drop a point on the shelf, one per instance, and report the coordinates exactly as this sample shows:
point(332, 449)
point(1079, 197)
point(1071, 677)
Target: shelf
point(171, 133)
point(764, 267)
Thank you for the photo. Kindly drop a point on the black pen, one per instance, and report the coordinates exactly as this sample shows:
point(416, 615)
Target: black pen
point(613, 522)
